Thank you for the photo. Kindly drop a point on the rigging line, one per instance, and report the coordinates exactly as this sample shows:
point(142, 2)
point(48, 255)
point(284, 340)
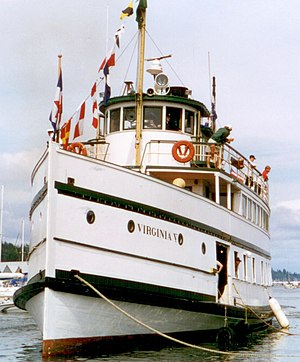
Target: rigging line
point(129, 61)
point(98, 81)
point(131, 40)
point(166, 59)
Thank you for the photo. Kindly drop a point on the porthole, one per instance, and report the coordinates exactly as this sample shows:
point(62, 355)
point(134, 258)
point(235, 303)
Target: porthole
point(131, 226)
point(180, 239)
point(203, 248)
point(90, 217)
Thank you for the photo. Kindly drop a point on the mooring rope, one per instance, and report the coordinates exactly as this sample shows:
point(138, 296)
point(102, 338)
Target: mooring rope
point(278, 330)
point(210, 350)
point(149, 327)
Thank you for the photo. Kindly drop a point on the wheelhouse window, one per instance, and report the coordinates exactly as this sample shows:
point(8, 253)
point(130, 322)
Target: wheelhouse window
point(129, 118)
point(152, 117)
point(114, 120)
point(189, 122)
point(173, 118)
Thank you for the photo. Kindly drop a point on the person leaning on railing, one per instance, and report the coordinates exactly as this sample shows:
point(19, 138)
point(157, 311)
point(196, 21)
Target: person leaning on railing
point(214, 150)
point(251, 167)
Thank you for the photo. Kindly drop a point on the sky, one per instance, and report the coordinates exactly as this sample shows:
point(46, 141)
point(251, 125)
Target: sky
point(251, 47)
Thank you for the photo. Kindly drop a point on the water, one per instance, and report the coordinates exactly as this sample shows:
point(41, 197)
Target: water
point(21, 341)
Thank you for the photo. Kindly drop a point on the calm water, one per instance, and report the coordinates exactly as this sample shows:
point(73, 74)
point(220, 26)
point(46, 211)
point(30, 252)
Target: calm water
point(20, 340)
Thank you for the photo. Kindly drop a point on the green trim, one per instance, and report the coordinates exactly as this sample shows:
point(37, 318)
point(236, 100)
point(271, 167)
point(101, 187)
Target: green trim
point(132, 206)
point(39, 197)
point(168, 100)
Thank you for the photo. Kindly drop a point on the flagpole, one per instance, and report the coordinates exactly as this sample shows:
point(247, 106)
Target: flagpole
point(59, 61)
point(139, 94)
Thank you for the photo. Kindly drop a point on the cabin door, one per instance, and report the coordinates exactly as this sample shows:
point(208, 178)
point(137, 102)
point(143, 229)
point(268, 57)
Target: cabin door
point(222, 259)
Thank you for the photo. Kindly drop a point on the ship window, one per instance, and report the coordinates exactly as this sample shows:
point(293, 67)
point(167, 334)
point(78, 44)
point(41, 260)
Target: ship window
point(189, 122)
point(203, 248)
point(129, 118)
point(249, 212)
point(244, 205)
point(245, 266)
point(253, 270)
point(173, 118)
point(254, 218)
point(114, 120)
point(152, 117)
point(262, 272)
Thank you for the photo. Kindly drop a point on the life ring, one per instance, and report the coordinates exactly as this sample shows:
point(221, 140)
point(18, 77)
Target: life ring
point(183, 151)
point(77, 147)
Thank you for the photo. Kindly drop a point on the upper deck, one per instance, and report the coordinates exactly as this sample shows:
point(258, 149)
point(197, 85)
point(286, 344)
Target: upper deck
point(175, 131)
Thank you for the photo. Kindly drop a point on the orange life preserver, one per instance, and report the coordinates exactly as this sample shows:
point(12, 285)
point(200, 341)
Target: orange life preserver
point(183, 151)
point(77, 147)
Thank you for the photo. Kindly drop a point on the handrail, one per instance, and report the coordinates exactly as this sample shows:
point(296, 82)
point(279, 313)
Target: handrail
point(232, 162)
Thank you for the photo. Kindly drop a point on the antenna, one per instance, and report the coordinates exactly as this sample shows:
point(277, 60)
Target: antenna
point(159, 58)
point(209, 76)
point(156, 67)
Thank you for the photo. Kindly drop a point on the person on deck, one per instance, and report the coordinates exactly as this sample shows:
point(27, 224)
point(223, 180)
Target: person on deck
point(266, 172)
point(251, 167)
point(215, 144)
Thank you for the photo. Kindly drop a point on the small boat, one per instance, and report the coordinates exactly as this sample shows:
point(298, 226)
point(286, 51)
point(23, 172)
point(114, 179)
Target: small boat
point(6, 304)
point(9, 284)
point(172, 231)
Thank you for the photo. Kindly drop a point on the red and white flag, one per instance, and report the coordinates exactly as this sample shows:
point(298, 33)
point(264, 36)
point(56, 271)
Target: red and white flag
point(80, 114)
point(95, 111)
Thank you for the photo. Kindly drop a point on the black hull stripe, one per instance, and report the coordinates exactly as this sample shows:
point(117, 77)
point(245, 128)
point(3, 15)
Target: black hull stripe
point(132, 292)
point(132, 206)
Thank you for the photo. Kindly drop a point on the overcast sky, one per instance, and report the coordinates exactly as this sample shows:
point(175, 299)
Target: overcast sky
point(254, 54)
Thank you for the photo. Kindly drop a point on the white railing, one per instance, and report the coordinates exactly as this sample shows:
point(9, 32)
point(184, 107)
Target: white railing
point(227, 159)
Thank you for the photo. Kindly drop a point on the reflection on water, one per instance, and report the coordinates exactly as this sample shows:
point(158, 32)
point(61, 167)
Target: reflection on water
point(21, 341)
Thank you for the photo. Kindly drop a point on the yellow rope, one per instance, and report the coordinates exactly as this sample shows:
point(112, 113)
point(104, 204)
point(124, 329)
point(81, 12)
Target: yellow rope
point(165, 335)
point(147, 326)
point(253, 311)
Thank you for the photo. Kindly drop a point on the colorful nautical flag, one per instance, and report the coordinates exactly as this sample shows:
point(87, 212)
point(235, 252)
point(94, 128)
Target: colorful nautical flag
point(80, 114)
point(127, 12)
point(106, 64)
point(56, 113)
point(118, 34)
point(107, 89)
point(65, 132)
point(110, 61)
point(142, 6)
point(95, 111)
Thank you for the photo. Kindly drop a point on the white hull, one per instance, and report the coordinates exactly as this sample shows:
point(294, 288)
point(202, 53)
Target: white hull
point(137, 252)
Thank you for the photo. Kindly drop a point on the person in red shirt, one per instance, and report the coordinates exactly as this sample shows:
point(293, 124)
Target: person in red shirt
point(265, 173)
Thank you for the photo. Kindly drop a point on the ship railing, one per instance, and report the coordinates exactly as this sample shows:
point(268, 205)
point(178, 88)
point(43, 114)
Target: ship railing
point(229, 160)
point(242, 171)
point(95, 148)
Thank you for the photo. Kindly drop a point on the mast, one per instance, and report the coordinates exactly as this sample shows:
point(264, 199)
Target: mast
point(141, 19)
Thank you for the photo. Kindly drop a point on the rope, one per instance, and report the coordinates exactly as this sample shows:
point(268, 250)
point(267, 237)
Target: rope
point(149, 327)
point(253, 311)
point(210, 350)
